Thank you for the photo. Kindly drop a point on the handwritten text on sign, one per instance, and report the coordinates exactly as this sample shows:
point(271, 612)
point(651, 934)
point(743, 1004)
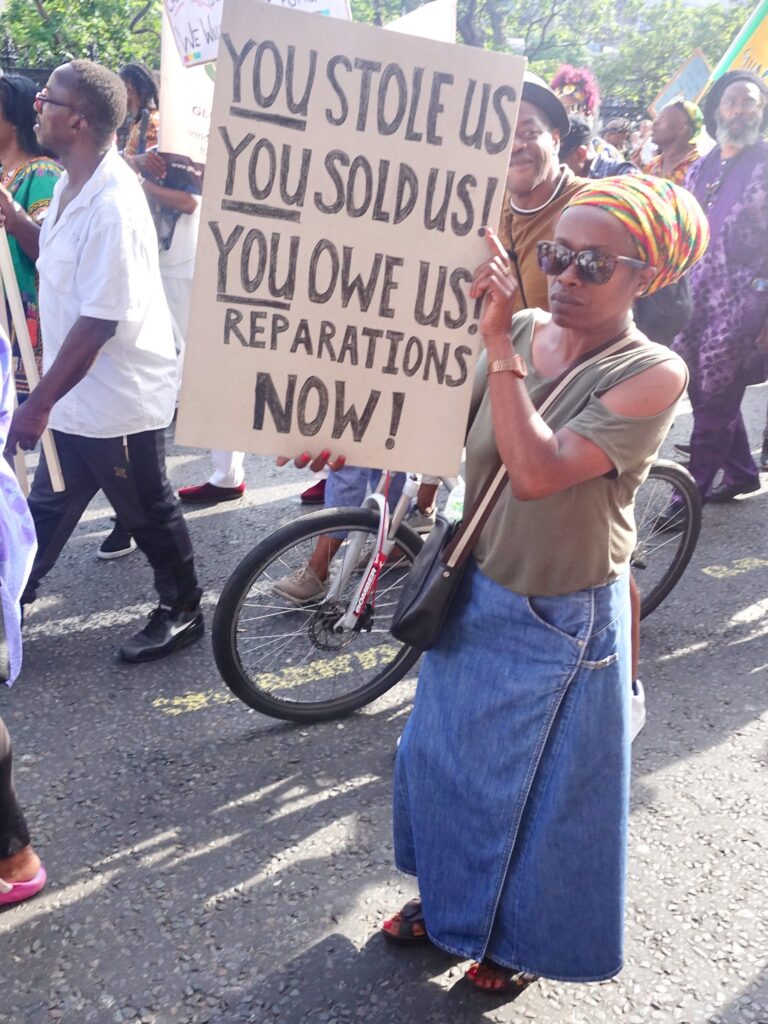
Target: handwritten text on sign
point(349, 174)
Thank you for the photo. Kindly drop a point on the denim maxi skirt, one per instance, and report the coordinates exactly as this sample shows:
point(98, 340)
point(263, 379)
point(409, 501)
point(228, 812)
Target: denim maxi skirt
point(511, 789)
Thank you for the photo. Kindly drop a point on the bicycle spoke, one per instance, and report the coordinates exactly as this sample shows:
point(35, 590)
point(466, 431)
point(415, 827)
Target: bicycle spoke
point(666, 516)
point(299, 655)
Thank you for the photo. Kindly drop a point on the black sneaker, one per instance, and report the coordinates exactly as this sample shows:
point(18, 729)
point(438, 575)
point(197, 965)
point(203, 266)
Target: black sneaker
point(167, 630)
point(118, 543)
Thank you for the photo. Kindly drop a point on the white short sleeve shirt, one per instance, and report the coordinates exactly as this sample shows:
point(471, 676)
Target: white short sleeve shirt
point(99, 259)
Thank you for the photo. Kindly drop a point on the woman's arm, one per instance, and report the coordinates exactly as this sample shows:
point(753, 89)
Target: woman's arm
point(171, 198)
point(539, 461)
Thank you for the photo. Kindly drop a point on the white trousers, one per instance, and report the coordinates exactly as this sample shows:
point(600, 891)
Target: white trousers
point(178, 294)
point(227, 468)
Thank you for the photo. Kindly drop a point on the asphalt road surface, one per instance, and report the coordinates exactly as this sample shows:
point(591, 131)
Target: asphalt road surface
point(208, 864)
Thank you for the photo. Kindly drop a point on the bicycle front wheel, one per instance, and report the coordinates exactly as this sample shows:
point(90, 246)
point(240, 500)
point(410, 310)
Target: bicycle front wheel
point(288, 661)
point(668, 517)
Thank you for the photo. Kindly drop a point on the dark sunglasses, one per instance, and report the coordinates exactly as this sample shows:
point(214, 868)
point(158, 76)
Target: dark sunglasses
point(41, 98)
point(592, 265)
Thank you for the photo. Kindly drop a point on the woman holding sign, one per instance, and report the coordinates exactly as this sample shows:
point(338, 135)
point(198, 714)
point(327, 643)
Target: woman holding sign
point(511, 785)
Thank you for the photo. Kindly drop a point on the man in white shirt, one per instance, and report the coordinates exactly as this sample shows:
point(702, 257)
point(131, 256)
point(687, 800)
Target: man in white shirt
point(109, 386)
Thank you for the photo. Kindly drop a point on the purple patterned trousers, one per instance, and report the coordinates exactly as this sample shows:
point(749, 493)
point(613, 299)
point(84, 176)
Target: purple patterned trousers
point(719, 438)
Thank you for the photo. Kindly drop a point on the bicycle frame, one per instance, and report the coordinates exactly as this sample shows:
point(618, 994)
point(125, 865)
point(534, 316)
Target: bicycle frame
point(385, 543)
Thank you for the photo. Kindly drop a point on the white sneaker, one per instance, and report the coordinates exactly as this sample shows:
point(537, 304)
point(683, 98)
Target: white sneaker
point(301, 587)
point(637, 710)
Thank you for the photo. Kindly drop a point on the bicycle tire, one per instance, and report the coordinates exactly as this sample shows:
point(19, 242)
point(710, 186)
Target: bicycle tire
point(670, 480)
point(254, 688)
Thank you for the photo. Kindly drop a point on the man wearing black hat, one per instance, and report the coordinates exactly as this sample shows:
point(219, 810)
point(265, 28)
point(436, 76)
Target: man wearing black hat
point(616, 133)
point(539, 187)
point(578, 151)
point(723, 342)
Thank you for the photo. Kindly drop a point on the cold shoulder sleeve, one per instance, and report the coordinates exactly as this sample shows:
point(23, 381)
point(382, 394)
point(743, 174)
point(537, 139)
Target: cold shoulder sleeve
point(628, 441)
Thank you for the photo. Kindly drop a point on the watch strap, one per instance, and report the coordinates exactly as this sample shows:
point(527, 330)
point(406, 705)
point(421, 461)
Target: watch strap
point(512, 364)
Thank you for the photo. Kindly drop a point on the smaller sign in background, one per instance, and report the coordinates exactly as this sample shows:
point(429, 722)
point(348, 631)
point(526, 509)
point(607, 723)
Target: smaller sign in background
point(689, 81)
point(196, 24)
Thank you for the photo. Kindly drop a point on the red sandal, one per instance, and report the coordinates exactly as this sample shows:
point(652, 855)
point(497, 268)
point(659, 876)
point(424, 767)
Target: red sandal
point(406, 920)
point(511, 983)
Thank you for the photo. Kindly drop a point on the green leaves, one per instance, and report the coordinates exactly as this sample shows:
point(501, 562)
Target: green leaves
point(633, 46)
point(657, 39)
point(49, 32)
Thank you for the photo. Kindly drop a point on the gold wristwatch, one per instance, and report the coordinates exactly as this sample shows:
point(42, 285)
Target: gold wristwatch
point(513, 364)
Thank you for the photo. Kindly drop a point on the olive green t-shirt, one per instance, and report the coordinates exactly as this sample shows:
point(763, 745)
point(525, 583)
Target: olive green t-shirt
point(582, 536)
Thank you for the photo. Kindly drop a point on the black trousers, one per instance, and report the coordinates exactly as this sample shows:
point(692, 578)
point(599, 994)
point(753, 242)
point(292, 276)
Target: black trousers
point(131, 473)
point(13, 828)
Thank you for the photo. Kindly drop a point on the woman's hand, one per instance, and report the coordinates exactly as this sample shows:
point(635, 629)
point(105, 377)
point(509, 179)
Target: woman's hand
point(494, 280)
point(150, 165)
point(8, 213)
point(316, 463)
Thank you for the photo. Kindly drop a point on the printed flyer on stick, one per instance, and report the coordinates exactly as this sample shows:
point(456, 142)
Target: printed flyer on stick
point(350, 172)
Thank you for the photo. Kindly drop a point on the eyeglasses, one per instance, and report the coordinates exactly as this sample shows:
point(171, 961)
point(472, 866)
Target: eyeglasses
point(592, 265)
point(740, 103)
point(41, 98)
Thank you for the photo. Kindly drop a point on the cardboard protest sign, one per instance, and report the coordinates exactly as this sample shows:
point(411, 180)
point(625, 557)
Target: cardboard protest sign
point(350, 171)
point(689, 81)
point(186, 100)
point(196, 24)
point(749, 50)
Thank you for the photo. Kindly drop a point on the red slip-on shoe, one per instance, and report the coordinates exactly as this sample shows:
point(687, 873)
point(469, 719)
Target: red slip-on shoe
point(209, 494)
point(15, 892)
point(314, 495)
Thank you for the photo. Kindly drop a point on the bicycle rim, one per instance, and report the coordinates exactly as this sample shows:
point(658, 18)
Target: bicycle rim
point(668, 518)
point(286, 660)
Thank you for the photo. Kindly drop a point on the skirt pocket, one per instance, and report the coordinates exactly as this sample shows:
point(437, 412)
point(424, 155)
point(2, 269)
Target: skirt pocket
point(568, 616)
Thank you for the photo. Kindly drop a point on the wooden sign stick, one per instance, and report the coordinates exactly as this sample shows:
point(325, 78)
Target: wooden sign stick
point(19, 462)
point(19, 318)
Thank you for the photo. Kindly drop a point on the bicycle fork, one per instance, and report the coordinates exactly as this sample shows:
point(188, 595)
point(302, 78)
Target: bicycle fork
point(385, 542)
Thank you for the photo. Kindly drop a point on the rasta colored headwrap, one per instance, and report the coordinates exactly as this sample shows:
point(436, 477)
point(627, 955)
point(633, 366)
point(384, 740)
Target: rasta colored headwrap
point(692, 112)
point(665, 221)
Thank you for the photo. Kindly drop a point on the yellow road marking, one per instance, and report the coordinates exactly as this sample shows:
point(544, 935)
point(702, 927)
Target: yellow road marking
point(192, 700)
point(287, 679)
point(736, 568)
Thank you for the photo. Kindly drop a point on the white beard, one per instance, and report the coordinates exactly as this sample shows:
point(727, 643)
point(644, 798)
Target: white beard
point(743, 136)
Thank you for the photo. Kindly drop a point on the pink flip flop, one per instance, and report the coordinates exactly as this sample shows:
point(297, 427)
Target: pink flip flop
point(15, 892)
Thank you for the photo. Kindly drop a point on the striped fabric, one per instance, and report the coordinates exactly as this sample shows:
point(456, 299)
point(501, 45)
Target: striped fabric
point(665, 221)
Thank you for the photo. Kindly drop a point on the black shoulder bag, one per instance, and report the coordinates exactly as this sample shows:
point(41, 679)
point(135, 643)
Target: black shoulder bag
point(439, 566)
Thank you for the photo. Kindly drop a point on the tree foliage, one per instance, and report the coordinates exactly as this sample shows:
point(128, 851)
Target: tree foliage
point(634, 46)
point(48, 32)
point(657, 38)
